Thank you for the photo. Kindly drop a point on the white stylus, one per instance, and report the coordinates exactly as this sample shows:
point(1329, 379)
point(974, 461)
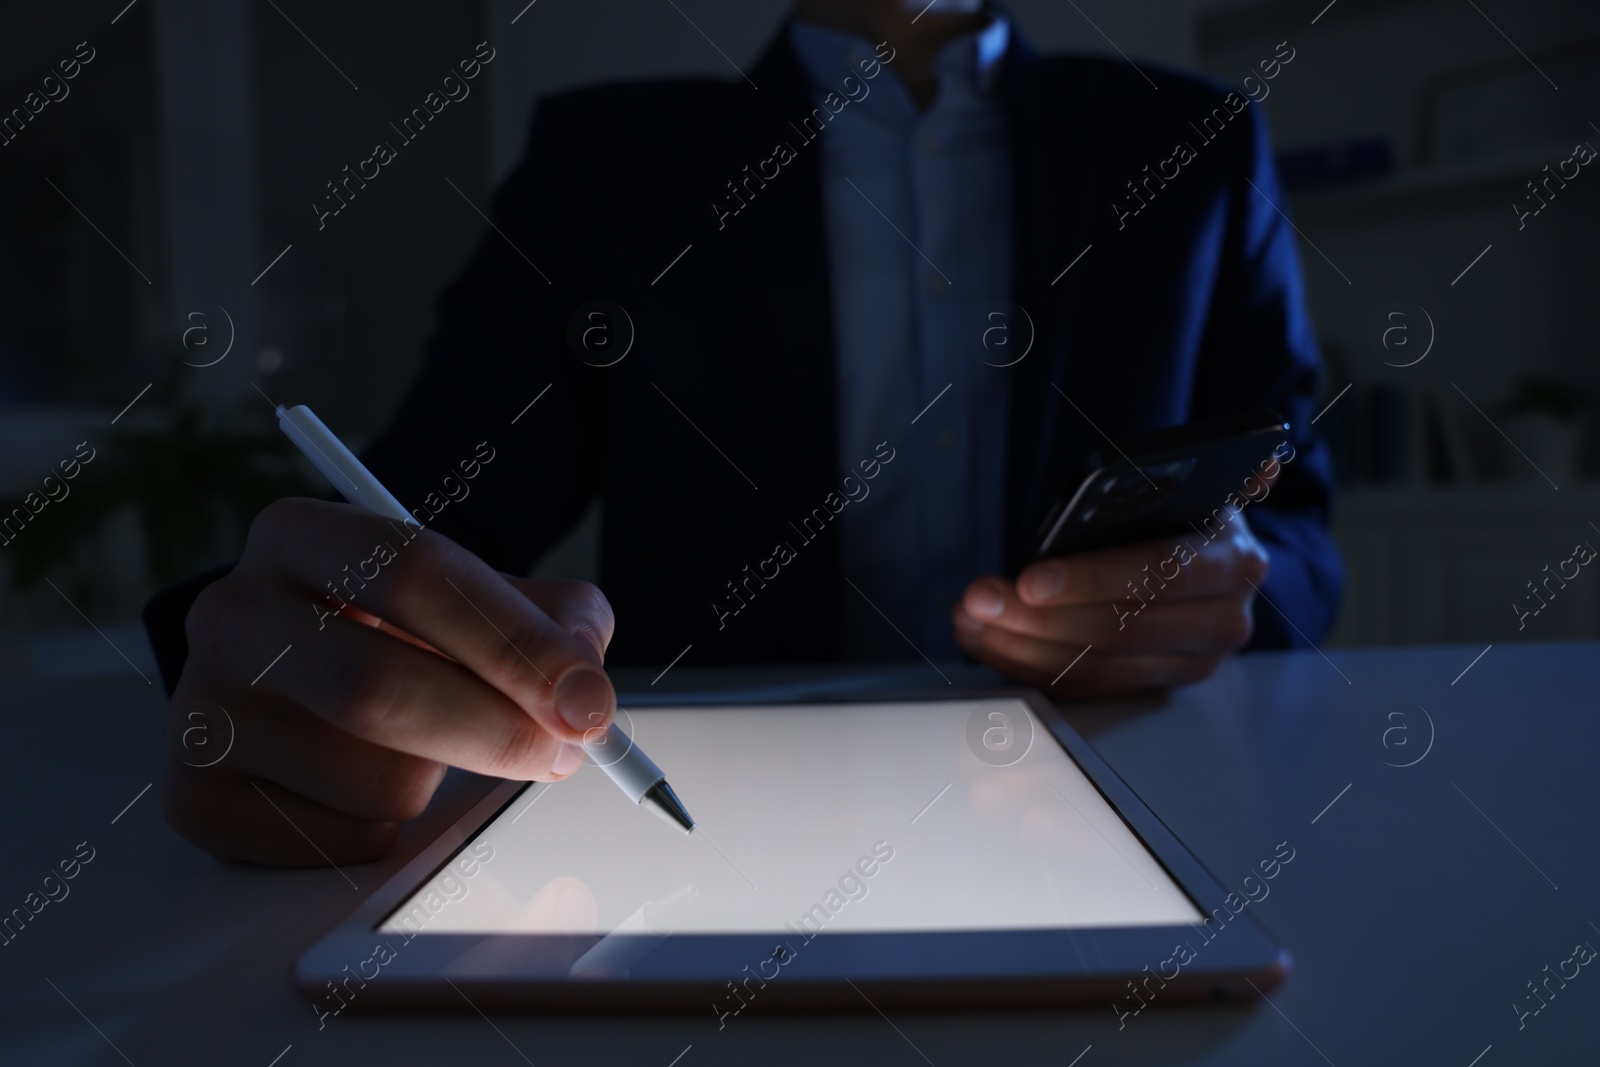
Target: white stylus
point(615, 753)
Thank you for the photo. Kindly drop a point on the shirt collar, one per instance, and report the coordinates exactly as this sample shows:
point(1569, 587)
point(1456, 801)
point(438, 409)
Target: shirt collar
point(969, 64)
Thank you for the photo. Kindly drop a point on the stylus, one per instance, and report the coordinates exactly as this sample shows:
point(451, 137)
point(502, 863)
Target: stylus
point(615, 753)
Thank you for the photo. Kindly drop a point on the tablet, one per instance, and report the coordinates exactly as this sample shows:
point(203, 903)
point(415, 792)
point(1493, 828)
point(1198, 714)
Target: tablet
point(969, 851)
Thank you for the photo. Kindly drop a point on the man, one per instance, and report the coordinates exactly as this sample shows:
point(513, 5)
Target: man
point(757, 317)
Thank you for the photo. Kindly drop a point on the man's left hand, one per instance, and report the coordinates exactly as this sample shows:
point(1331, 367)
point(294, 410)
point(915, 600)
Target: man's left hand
point(1147, 620)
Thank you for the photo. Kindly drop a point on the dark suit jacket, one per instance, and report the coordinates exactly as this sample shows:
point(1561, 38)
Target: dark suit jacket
point(1191, 308)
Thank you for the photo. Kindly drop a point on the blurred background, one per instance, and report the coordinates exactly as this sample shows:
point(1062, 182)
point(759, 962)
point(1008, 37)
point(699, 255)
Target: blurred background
point(163, 279)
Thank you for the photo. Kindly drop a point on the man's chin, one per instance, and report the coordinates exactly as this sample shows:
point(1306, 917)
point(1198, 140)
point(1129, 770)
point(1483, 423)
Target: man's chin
point(944, 7)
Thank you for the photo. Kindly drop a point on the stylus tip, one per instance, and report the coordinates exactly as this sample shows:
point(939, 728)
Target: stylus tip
point(661, 799)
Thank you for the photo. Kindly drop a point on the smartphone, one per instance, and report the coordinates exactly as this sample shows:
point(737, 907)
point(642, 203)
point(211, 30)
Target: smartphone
point(1160, 483)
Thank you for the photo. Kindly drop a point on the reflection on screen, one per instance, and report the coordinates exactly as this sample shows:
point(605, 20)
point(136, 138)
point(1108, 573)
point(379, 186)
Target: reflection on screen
point(867, 817)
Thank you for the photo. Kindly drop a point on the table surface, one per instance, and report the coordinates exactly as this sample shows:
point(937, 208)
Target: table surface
point(1421, 902)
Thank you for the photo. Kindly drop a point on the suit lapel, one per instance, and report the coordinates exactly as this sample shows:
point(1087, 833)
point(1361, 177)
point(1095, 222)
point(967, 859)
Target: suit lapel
point(1053, 185)
point(783, 243)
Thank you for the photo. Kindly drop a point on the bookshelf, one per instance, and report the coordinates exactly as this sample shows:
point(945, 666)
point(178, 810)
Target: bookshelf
point(1438, 564)
point(1420, 184)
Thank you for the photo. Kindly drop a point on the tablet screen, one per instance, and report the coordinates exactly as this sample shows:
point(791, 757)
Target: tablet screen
point(943, 815)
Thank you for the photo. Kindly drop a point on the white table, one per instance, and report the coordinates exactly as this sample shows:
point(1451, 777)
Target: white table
point(1420, 901)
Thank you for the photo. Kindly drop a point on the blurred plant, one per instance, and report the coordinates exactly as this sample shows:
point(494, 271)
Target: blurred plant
point(194, 475)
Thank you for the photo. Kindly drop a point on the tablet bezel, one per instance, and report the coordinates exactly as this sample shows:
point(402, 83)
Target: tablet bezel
point(842, 970)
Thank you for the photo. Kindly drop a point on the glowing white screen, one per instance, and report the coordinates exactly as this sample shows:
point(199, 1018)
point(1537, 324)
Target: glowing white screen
point(793, 804)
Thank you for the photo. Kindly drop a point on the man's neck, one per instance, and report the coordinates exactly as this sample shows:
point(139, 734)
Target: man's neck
point(916, 39)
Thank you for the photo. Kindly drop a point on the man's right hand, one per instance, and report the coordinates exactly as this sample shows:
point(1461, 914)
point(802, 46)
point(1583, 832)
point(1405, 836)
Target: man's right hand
point(348, 734)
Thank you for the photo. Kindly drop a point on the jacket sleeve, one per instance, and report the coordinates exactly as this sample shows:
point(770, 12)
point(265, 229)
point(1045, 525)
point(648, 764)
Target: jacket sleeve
point(1260, 350)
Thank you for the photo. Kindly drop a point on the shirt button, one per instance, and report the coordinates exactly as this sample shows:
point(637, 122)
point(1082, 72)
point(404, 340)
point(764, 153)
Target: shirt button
point(946, 440)
point(930, 144)
point(938, 284)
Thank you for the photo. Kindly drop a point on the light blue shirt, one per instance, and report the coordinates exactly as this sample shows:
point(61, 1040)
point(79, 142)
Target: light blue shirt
point(917, 208)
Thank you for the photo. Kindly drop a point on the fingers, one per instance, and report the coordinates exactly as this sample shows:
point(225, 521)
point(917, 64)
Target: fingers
point(1141, 616)
point(270, 737)
point(579, 607)
point(347, 795)
point(431, 588)
point(1186, 627)
point(1046, 657)
point(303, 752)
point(1188, 566)
point(416, 655)
point(236, 817)
point(397, 696)
point(360, 680)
